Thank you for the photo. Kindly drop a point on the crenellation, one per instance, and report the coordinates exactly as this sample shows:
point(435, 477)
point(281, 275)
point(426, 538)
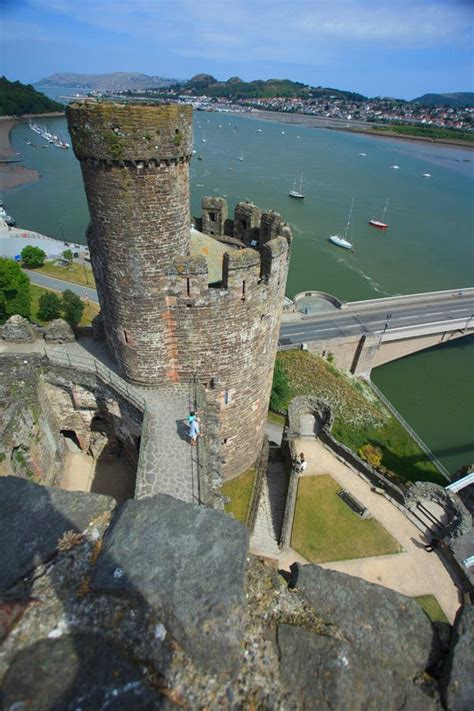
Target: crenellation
point(247, 219)
point(214, 215)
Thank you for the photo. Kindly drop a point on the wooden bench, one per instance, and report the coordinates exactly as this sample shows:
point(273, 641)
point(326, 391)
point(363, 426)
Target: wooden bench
point(353, 503)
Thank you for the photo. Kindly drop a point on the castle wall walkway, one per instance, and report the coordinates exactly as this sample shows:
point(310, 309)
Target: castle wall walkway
point(167, 463)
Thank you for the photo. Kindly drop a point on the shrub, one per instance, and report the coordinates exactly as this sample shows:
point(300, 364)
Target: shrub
point(49, 306)
point(68, 255)
point(73, 307)
point(32, 257)
point(15, 296)
point(371, 454)
point(280, 388)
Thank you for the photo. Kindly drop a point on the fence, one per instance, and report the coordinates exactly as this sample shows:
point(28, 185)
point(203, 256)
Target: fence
point(440, 467)
point(106, 375)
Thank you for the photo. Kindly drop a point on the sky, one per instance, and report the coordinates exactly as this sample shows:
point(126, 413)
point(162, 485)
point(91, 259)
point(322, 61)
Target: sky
point(399, 48)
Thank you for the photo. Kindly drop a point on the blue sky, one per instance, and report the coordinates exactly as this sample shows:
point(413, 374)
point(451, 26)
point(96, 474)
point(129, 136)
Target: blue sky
point(400, 48)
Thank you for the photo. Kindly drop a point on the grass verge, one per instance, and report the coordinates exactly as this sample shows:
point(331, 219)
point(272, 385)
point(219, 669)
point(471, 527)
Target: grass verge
point(325, 529)
point(76, 273)
point(432, 608)
point(91, 310)
point(276, 419)
point(360, 418)
point(239, 491)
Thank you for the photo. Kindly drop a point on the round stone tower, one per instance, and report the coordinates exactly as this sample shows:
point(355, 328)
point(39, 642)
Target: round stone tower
point(135, 165)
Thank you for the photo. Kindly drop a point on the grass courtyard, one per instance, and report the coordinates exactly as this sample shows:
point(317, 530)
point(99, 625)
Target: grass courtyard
point(239, 491)
point(325, 529)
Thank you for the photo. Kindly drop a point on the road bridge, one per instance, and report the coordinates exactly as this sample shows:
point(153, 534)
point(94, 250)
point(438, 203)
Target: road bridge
point(364, 334)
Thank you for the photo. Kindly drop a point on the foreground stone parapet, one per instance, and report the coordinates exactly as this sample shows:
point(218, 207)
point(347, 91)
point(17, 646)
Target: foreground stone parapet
point(187, 563)
point(457, 688)
point(78, 671)
point(34, 518)
point(19, 330)
point(390, 627)
point(59, 331)
point(326, 674)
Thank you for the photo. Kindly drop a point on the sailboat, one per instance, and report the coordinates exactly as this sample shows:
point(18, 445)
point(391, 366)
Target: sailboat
point(297, 192)
point(380, 224)
point(241, 157)
point(343, 241)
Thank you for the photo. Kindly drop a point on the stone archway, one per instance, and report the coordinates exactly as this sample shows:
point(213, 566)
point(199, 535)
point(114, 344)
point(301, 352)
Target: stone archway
point(440, 510)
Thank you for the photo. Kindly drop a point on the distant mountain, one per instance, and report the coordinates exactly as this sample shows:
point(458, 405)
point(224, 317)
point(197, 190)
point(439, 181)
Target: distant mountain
point(17, 99)
point(236, 88)
point(459, 99)
point(117, 81)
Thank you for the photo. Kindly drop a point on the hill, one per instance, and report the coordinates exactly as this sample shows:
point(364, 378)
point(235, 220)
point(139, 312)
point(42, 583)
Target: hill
point(116, 81)
point(459, 99)
point(236, 88)
point(17, 99)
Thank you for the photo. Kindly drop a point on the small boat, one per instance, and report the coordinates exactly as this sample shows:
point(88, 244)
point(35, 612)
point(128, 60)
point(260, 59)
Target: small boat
point(380, 224)
point(241, 157)
point(298, 136)
point(363, 155)
point(259, 130)
point(199, 157)
point(297, 192)
point(340, 241)
point(427, 175)
point(396, 167)
point(282, 133)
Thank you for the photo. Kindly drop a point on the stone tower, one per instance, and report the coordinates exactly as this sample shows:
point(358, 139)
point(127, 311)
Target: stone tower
point(164, 322)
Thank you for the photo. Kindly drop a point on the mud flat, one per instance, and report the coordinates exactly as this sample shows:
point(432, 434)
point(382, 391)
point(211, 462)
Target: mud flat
point(12, 175)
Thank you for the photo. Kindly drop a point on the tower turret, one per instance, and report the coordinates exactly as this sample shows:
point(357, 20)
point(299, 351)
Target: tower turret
point(135, 165)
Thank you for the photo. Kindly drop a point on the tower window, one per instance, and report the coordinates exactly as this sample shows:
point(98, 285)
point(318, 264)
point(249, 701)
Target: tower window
point(126, 337)
point(213, 216)
point(226, 397)
point(243, 224)
point(242, 298)
point(188, 287)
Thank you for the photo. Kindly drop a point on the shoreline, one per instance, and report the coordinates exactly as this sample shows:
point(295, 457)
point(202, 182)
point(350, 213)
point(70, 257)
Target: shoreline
point(317, 122)
point(12, 175)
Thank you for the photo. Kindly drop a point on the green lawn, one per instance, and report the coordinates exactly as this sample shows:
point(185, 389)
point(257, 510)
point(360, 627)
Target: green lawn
point(326, 529)
point(239, 491)
point(359, 416)
point(75, 272)
point(432, 608)
point(276, 419)
point(90, 311)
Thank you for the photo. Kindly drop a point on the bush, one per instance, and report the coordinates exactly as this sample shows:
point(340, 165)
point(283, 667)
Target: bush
point(280, 389)
point(371, 454)
point(15, 296)
point(73, 307)
point(49, 306)
point(32, 257)
point(68, 255)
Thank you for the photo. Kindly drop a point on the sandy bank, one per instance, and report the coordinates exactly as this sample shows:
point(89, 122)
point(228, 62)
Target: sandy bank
point(341, 125)
point(12, 175)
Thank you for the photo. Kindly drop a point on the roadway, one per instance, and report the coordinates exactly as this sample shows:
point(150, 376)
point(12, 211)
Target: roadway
point(367, 319)
point(49, 282)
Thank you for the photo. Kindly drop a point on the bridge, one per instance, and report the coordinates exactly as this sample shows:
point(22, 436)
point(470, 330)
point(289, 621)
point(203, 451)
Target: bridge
point(364, 334)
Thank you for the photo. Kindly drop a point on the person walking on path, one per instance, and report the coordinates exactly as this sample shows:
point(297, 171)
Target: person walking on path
point(194, 431)
point(301, 463)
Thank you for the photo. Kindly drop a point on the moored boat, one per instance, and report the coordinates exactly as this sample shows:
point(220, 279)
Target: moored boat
point(380, 224)
point(297, 192)
point(340, 241)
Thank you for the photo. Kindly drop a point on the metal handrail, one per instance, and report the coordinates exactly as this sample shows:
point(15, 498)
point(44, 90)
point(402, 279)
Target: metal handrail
point(92, 365)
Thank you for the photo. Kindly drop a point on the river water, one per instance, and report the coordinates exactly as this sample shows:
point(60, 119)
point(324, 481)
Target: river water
point(428, 246)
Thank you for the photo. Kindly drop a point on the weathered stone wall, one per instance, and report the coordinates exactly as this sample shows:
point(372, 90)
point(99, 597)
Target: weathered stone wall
point(134, 162)
point(214, 215)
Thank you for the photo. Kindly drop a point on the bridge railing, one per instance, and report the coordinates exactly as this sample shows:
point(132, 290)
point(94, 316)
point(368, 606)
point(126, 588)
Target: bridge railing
point(439, 466)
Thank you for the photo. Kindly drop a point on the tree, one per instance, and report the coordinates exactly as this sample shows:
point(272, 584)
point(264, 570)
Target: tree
point(15, 296)
point(73, 308)
point(280, 389)
point(32, 257)
point(68, 255)
point(50, 306)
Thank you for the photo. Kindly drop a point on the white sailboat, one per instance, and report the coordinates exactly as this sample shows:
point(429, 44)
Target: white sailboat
point(297, 192)
point(340, 241)
point(380, 224)
point(241, 157)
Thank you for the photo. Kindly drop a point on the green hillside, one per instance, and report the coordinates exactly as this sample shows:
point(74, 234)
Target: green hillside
point(17, 99)
point(456, 100)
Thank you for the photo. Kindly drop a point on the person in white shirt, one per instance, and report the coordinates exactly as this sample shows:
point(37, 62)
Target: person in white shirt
point(301, 463)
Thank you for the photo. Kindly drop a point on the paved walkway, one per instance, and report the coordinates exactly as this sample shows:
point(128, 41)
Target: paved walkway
point(412, 572)
point(167, 462)
point(265, 536)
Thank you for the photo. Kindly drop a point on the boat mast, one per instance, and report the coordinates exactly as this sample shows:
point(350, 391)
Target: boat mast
point(349, 220)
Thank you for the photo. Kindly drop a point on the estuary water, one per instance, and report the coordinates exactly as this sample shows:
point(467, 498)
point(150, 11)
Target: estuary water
point(428, 246)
